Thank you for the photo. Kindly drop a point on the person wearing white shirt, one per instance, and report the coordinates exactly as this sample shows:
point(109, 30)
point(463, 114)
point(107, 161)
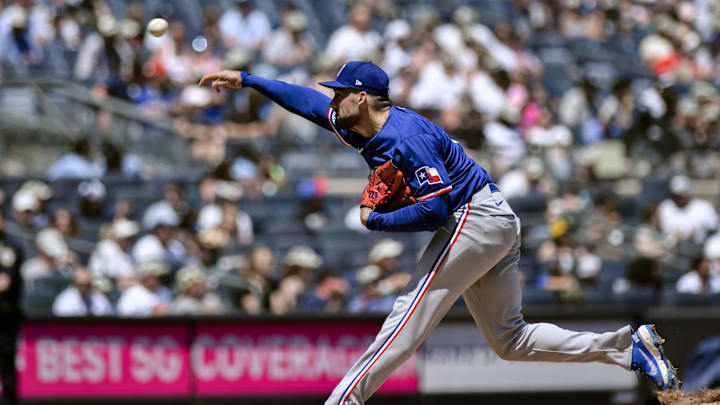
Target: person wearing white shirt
point(290, 45)
point(160, 244)
point(81, 299)
point(712, 247)
point(111, 257)
point(683, 217)
point(440, 85)
point(149, 297)
point(397, 47)
point(356, 40)
point(194, 297)
point(700, 280)
point(244, 26)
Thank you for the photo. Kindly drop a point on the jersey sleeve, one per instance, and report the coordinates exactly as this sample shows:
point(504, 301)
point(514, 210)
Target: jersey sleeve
point(303, 101)
point(421, 162)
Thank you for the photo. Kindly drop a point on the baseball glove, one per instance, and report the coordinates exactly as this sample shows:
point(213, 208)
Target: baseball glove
point(387, 189)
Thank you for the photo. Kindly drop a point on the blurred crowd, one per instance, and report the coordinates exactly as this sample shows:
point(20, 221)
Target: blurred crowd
point(175, 258)
point(599, 120)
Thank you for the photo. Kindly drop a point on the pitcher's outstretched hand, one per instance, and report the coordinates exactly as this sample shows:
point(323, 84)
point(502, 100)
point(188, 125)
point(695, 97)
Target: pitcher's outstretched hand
point(224, 79)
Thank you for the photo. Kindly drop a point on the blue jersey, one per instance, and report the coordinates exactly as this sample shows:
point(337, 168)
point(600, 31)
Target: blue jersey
point(440, 174)
point(433, 164)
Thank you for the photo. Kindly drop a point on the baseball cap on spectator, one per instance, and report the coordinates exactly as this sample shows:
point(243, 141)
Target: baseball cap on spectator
point(397, 29)
point(102, 284)
point(92, 190)
point(237, 58)
point(38, 188)
point(681, 185)
point(365, 76)
point(189, 275)
point(295, 21)
point(129, 28)
point(368, 274)
point(152, 268)
point(19, 18)
point(213, 238)
point(107, 25)
point(385, 248)
point(163, 216)
point(51, 242)
point(589, 266)
point(464, 16)
point(24, 200)
point(228, 191)
point(123, 228)
point(303, 256)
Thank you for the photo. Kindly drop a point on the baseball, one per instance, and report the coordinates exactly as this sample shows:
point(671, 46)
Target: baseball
point(157, 26)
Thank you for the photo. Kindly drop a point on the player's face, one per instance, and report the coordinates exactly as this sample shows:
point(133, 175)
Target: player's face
point(345, 104)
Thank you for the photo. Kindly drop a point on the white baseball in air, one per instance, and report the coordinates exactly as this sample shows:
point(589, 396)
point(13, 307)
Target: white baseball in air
point(157, 26)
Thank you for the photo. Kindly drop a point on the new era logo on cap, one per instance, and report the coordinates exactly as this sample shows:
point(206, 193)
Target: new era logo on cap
point(365, 76)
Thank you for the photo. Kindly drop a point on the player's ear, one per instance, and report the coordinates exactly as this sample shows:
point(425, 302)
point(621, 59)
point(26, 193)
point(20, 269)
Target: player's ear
point(362, 98)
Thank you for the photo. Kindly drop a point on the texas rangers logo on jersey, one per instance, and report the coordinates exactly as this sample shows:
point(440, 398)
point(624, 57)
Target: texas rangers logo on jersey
point(428, 175)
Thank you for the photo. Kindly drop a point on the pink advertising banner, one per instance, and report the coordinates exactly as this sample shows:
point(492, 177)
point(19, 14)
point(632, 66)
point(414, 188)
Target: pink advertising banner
point(89, 359)
point(285, 358)
point(175, 359)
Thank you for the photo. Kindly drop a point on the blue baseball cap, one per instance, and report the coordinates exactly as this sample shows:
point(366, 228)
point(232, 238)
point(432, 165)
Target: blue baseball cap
point(365, 76)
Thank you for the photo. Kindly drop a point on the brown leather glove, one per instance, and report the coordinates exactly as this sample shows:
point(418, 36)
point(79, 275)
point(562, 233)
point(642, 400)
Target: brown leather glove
point(387, 189)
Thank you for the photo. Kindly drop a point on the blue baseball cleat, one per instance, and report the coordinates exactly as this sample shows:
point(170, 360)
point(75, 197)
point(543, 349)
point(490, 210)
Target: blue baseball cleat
point(649, 358)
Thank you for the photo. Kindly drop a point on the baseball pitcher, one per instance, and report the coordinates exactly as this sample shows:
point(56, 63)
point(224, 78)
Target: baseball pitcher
point(423, 181)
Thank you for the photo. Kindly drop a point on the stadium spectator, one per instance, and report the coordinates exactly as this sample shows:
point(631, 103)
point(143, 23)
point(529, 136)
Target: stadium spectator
point(358, 31)
point(148, 297)
point(712, 247)
point(92, 202)
point(160, 243)
point(649, 240)
point(19, 48)
point(173, 200)
point(43, 194)
point(596, 227)
point(77, 164)
point(290, 45)
point(370, 299)
point(683, 217)
point(81, 298)
point(397, 47)
point(558, 260)
point(193, 297)
point(24, 207)
point(384, 254)
point(257, 278)
point(64, 221)
point(642, 280)
point(53, 258)
point(701, 279)
point(244, 26)
point(327, 295)
point(11, 285)
point(299, 265)
point(105, 55)
point(211, 242)
point(225, 213)
point(111, 257)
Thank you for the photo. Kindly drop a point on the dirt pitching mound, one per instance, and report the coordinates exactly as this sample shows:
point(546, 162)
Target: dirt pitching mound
point(702, 397)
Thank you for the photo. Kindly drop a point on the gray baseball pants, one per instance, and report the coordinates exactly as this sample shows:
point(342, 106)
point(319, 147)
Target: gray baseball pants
point(475, 255)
